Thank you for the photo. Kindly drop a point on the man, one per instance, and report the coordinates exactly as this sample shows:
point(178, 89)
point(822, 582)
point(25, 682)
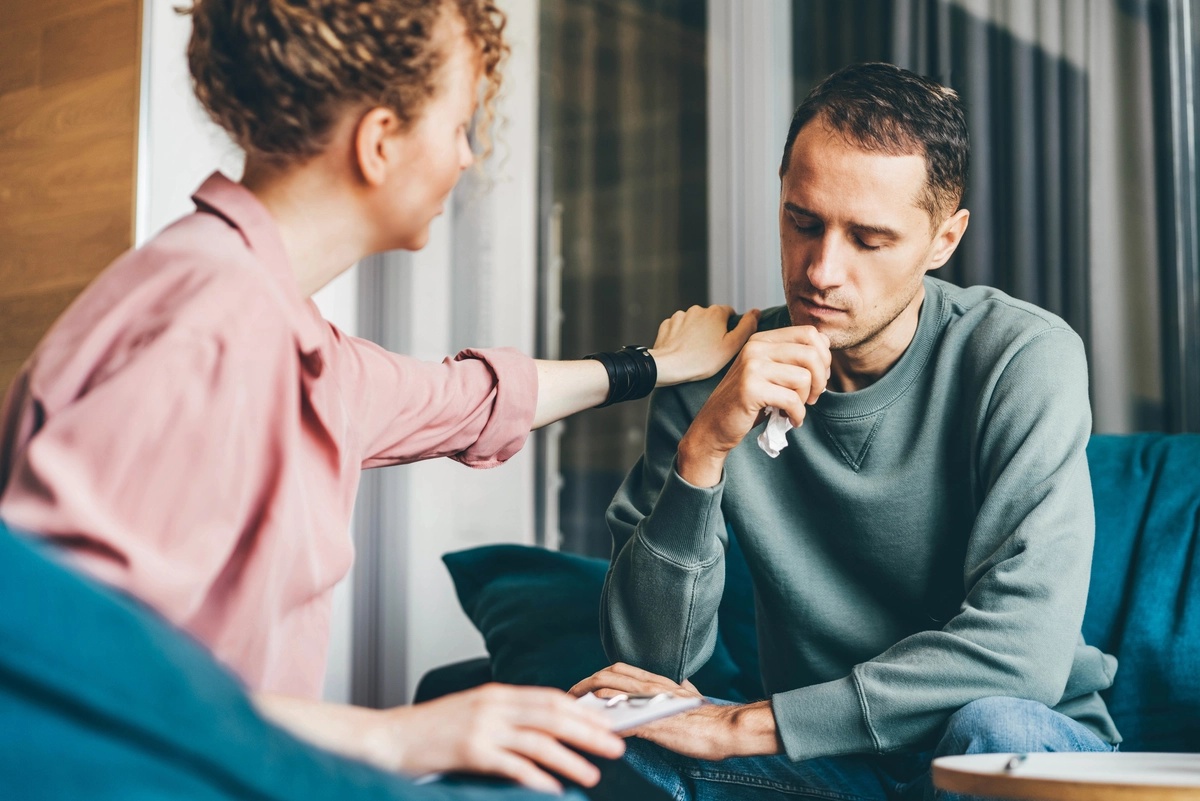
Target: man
point(921, 548)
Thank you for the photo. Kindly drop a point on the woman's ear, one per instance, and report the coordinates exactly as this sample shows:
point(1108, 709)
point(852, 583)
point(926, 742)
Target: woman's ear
point(948, 237)
point(377, 144)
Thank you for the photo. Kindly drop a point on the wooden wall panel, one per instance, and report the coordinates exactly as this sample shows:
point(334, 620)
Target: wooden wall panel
point(68, 156)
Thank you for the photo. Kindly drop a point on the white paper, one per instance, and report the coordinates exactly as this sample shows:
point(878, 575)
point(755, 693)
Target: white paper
point(773, 438)
point(631, 714)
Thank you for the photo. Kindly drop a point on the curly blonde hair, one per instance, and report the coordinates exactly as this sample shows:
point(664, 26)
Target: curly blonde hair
point(276, 74)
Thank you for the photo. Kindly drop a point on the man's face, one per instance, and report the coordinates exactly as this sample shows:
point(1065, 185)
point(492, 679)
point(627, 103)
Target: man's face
point(855, 244)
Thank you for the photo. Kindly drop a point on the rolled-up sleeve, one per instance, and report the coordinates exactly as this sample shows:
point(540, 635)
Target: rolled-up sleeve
point(476, 408)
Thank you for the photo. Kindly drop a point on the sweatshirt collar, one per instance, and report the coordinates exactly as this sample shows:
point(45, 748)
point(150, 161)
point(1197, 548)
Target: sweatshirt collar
point(896, 381)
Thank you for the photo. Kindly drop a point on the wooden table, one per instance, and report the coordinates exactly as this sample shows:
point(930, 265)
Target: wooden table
point(1072, 777)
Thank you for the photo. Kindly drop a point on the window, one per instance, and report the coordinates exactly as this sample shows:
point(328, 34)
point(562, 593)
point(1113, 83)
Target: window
point(624, 220)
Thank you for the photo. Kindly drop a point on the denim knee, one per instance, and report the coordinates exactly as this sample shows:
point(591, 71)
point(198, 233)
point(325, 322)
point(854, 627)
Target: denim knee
point(1014, 725)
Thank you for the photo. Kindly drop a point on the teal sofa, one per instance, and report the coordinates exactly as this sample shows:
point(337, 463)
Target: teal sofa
point(538, 610)
point(101, 699)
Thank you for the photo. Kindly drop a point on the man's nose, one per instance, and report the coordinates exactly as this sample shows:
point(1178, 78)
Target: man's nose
point(827, 269)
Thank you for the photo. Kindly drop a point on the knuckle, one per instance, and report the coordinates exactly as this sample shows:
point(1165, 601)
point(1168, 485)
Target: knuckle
point(474, 749)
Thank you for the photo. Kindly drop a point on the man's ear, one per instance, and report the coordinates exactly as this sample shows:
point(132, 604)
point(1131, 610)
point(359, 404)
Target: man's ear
point(377, 144)
point(948, 236)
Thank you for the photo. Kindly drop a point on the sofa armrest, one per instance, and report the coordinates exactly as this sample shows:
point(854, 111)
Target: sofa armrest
point(453, 678)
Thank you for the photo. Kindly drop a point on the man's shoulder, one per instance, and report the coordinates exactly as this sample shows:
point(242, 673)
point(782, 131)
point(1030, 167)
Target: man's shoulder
point(993, 325)
point(774, 317)
point(993, 311)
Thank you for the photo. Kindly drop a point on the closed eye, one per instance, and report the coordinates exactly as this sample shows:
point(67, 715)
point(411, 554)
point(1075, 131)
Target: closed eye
point(806, 227)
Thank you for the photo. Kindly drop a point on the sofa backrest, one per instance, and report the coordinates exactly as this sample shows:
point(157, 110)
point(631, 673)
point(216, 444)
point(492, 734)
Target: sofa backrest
point(1144, 603)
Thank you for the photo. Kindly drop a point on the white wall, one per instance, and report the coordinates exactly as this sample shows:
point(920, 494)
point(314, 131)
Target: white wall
point(749, 111)
point(474, 284)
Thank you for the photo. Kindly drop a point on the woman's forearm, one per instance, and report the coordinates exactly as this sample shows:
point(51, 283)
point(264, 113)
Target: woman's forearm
point(351, 731)
point(690, 346)
point(565, 388)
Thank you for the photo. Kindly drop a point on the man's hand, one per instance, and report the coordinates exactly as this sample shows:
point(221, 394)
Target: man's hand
point(712, 731)
point(520, 733)
point(694, 344)
point(785, 368)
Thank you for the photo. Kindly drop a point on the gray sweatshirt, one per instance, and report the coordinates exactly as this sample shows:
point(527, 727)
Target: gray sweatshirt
point(920, 544)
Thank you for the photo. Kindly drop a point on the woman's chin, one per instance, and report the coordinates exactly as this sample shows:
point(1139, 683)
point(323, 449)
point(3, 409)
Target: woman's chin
point(413, 241)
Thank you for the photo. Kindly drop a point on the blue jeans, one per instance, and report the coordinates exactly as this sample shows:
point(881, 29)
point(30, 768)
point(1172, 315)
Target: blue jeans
point(990, 725)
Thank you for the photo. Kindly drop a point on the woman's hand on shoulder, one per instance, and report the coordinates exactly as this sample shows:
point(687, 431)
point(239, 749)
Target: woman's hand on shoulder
point(694, 344)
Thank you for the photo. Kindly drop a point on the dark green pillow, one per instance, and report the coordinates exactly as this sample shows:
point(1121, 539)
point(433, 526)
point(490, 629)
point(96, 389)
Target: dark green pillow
point(539, 613)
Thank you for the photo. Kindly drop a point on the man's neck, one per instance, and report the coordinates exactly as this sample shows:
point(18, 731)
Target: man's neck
point(861, 366)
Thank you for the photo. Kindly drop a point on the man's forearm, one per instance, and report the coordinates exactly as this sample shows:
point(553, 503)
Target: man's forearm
point(698, 463)
point(753, 730)
point(677, 551)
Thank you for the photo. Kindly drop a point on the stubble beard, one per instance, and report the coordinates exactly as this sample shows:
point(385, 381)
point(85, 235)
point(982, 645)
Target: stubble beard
point(860, 332)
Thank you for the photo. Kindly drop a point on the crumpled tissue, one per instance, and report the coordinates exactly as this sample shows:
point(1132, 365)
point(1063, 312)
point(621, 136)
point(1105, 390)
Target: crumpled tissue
point(773, 438)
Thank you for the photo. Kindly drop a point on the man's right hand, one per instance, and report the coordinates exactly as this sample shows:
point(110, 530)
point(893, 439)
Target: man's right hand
point(785, 368)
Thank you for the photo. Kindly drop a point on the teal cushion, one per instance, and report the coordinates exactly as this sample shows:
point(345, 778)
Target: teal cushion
point(1144, 603)
point(538, 611)
point(102, 699)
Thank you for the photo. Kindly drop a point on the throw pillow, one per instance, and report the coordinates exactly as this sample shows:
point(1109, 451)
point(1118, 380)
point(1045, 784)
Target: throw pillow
point(539, 614)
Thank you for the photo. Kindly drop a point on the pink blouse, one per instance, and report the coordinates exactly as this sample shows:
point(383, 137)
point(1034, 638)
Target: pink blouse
point(193, 431)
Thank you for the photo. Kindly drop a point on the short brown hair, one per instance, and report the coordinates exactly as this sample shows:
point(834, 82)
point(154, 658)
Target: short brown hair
point(881, 107)
point(275, 74)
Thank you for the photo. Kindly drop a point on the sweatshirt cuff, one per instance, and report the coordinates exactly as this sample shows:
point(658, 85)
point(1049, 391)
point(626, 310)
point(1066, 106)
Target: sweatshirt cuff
point(823, 720)
point(686, 519)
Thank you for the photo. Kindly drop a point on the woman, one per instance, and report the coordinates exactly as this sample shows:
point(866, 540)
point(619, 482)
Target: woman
point(193, 431)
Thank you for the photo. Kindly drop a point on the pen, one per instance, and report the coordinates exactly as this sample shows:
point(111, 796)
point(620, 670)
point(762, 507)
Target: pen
point(1015, 762)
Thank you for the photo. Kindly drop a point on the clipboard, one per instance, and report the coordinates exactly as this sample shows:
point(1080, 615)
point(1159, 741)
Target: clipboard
point(626, 711)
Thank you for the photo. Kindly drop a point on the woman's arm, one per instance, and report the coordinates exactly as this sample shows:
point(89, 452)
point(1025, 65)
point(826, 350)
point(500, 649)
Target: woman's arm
point(520, 733)
point(690, 346)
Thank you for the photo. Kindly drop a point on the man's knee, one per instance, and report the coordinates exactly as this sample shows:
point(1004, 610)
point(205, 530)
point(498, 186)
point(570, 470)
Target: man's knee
point(999, 726)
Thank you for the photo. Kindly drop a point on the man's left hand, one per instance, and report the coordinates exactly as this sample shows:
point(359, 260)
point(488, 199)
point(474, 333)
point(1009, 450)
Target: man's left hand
point(711, 731)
